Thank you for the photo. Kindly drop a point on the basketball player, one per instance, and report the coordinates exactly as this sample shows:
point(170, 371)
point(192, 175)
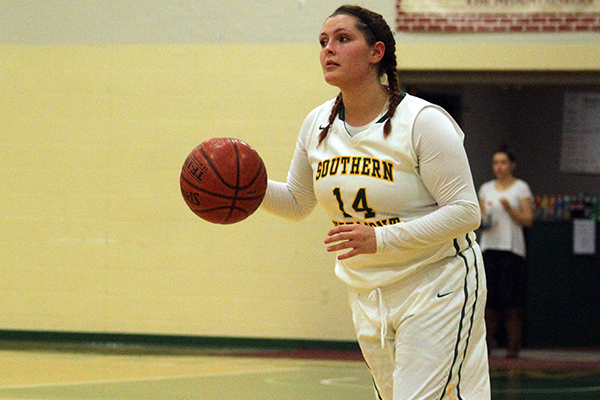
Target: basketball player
point(391, 171)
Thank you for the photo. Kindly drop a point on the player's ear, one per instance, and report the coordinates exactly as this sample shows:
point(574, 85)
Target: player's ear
point(378, 52)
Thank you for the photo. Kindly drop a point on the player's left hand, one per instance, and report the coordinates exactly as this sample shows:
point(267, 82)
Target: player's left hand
point(360, 238)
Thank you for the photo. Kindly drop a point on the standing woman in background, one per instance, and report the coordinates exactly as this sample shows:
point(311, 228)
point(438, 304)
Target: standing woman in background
point(506, 206)
point(392, 173)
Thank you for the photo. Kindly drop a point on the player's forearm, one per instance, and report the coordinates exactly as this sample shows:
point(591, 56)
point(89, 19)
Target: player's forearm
point(281, 201)
point(444, 224)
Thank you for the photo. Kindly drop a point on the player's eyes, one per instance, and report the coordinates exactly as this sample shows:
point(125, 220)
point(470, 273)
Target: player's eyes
point(341, 39)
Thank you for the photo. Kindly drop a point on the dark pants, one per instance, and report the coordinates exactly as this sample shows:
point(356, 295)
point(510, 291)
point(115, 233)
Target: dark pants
point(506, 279)
point(507, 286)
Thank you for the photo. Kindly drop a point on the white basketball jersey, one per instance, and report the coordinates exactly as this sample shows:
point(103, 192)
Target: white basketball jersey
point(373, 180)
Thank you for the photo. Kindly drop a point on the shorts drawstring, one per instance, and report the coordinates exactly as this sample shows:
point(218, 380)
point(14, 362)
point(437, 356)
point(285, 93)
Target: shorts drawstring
point(383, 315)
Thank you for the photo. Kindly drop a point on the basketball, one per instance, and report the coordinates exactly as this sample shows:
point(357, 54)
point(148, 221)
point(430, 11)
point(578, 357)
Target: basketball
point(223, 180)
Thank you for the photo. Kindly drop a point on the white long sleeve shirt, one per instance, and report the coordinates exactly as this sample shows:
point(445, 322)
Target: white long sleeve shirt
point(415, 187)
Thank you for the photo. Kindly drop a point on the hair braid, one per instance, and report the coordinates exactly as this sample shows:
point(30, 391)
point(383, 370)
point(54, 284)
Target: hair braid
point(337, 106)
point(395, 95)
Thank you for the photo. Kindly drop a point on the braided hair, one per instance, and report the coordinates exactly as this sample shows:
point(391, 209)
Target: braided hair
point(375, 29)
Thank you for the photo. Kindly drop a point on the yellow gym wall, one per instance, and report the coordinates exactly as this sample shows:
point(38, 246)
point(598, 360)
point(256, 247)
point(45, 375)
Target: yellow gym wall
point(95, 236)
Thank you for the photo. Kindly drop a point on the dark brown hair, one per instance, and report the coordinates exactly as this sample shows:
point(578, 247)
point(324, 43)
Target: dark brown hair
point(375, 29)
point(508, 151)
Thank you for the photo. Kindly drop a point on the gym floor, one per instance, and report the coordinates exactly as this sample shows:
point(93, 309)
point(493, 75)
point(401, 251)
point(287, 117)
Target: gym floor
point(40, 372)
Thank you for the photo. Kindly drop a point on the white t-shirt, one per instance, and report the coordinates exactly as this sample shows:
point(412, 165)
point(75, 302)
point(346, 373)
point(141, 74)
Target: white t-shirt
point(504, 233)
point(415, 187)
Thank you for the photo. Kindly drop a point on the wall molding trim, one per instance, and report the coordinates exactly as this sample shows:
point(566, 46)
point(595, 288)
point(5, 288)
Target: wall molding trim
point(153, 343)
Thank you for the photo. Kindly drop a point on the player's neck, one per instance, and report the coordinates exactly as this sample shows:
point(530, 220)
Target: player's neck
point(362, 105)
point(505, 182)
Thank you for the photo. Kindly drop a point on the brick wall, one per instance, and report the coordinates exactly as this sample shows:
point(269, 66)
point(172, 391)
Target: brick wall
point(509, 22)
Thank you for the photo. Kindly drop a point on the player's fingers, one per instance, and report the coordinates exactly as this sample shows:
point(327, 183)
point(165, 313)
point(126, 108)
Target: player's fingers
point(339, 229)
point(348, 254)
point(336, 237)
point(347, 244)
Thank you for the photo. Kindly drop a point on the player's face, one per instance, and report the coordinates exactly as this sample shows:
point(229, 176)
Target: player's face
point(502, 165)
point(346, 57)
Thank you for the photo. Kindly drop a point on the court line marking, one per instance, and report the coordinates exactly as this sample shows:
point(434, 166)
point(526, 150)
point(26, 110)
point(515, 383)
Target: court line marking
point(150, 379)
point(349, 381)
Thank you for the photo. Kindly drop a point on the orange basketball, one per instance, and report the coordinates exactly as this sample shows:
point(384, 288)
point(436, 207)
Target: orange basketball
point(223, 180)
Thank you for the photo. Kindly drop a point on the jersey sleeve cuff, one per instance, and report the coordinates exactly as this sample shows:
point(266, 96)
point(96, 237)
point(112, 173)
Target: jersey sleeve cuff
point(379, 237)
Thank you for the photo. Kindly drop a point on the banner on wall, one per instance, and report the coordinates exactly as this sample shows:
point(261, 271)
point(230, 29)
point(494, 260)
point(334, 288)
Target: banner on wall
point(498, 15)
point(581, 133)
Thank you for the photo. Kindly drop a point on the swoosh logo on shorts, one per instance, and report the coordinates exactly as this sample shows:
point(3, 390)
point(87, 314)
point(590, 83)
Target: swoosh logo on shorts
point(440, 295)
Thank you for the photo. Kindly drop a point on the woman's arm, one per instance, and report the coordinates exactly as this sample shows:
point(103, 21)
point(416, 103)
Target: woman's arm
point(445, 172)
point(294, 199)
point(522, 216)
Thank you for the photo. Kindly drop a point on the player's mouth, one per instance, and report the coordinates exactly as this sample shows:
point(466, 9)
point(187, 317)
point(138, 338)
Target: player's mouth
point(331, 64)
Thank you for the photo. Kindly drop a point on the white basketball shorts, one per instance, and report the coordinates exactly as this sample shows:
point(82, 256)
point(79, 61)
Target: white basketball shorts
point(424, 338)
